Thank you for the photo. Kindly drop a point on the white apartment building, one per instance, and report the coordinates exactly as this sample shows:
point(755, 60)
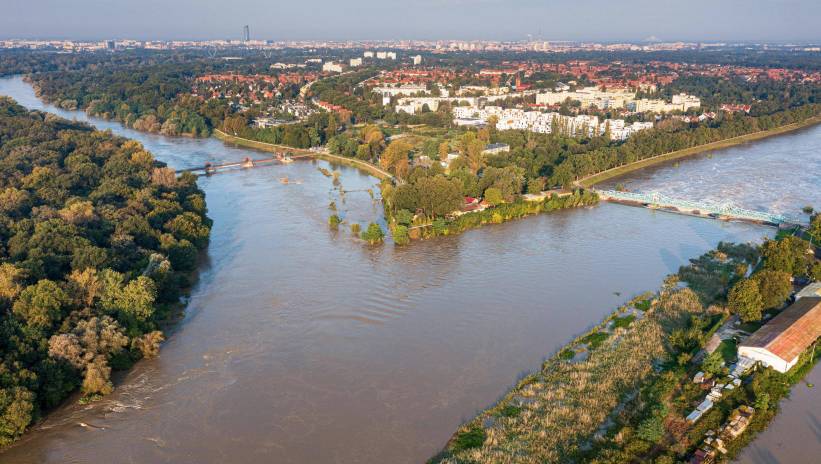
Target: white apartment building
point(386, 55)
point(330, 66)
point(368, 54)
point(680, 102)
point(410, 108)
point(417, 60)
point(546, 123)
point(355, 62)
point(406, 89)
point(686, 101)
point(588, 96)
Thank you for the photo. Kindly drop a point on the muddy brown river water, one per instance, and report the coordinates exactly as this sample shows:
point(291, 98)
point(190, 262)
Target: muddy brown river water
point(300, 345)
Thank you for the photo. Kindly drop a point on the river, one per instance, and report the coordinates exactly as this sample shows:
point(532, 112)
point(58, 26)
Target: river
point(301, 345)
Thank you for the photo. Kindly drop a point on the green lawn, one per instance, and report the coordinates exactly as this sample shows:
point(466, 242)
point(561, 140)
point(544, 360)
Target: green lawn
point(728, 350)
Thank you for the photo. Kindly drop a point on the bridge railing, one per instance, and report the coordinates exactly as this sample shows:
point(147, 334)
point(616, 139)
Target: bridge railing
point(705, 207)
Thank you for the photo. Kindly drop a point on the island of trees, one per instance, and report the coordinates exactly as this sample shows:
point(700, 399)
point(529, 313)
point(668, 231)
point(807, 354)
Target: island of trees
point(97, 241)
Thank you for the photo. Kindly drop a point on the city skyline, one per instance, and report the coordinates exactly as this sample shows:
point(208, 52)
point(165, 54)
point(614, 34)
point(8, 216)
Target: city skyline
point(597, 20)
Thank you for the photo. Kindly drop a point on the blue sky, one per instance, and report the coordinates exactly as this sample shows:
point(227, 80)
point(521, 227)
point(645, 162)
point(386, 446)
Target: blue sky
point(601, 20)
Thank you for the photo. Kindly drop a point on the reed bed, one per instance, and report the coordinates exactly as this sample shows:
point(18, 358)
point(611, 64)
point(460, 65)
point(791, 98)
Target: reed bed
point(550, 416)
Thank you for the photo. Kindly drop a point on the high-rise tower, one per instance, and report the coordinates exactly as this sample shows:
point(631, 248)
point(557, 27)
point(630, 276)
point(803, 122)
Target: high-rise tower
point(246, 34)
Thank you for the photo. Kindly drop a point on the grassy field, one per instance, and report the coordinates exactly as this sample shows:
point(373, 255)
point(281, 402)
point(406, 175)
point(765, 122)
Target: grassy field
point(667, 157)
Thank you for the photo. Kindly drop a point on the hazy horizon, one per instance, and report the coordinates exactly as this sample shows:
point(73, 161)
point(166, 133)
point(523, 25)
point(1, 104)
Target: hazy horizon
point(595, 20)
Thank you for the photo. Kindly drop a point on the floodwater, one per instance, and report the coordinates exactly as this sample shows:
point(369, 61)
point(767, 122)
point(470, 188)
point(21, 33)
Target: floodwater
point(795, 434)
point(303, 345)
point(780, 174)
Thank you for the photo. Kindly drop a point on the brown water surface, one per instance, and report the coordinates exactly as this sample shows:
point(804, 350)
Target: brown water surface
point(302, 345)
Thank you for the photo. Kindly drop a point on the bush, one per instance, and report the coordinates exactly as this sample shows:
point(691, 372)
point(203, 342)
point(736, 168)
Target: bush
point(374, 234)
point(493, 196)
point(471, 438)
point(404, 217)
point(333, 222)
point(400, 235)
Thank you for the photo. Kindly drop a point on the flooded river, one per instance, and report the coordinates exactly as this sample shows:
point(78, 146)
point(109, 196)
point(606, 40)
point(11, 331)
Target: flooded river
point(302, 345)
point(779, 174)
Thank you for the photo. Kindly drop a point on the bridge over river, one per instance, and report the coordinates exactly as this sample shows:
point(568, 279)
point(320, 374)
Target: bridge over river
point(727, 210)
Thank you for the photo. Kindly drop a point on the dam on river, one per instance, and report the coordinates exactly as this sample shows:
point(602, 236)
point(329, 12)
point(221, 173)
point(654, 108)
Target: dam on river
point(725, 210)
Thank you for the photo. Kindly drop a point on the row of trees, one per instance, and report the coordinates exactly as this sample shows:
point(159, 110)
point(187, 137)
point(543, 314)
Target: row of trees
point(96, 242)
point(770, 286)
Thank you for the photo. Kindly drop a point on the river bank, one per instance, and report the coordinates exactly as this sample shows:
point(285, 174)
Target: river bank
point(679, 154)
point(621, 391)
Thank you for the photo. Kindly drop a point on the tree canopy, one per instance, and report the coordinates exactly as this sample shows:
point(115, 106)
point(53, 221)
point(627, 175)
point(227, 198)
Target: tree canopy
point(95, 240)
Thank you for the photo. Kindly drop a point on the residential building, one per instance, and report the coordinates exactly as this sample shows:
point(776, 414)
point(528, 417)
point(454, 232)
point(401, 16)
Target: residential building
point(410, 108)
point(330, 66)
point(680, 102)
point(417, 60)
point(401, 90)
point(355, 62)
point(496, 148)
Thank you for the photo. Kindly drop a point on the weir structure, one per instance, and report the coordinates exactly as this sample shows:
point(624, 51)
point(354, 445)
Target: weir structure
point(699, 208)
point(210, 168)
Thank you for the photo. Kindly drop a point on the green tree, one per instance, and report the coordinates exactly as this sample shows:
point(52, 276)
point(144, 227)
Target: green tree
point(400, 235)
point(815, 229)
point(404, 217)
point(395, 158)
point(493, 196)
point(42, 304)
point(745, 300)
point(774, 287)
point(713, 363)
point(16, 409)
point(333, 222)
point(438, 195)
point(137, 298)
point(373, 234)
point(788, 255)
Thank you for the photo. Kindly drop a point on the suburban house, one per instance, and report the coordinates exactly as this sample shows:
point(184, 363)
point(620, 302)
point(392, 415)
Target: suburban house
point(780, 342)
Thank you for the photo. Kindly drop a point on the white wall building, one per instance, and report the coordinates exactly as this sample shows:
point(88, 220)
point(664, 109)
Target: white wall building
point(780, 342)
point(330, 66)
point(546, 123)
point(355, 62)
point(406, 90)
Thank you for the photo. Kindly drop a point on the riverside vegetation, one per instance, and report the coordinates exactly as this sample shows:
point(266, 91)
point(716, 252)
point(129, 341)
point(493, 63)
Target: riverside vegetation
point(620, 392)
point(97, 240)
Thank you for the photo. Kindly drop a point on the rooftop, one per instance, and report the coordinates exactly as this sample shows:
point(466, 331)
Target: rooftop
point(790, 332)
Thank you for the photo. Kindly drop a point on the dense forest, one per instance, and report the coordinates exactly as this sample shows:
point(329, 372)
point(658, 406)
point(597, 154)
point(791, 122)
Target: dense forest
point(96, 243)
point(149, 98)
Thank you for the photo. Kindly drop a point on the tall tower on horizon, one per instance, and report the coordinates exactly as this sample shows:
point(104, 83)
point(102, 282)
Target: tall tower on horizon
point(246, 34)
